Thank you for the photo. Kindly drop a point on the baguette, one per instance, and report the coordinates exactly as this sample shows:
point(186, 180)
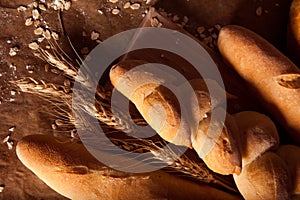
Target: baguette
point(271, 75)
point(258, 134)
point(266, 178)
point(291, 155)
point(293, 34)
point(156, 103)
point(69, 169)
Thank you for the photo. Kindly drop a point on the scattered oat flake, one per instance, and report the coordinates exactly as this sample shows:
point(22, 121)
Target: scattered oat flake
point(6, 139)
point(100, 11)
point(34, 46)
point(38, 31)
point(21, 8)
point(10, 145)
point(115, 11)
point(37, 23)
point(35, 14)
point(53, 126)
point(95, 35)
point(28, 21)
point(155, 22)
point(258, 11)
point(2, 186)
point(175, 18)
point(41, 39)
point(218, 27)
point(13, 51)
point(13, 93)
point(126, 5)
point(113, 1)
point(201, 29)
point(68, 5)
point(135, 6)
point(12, 128)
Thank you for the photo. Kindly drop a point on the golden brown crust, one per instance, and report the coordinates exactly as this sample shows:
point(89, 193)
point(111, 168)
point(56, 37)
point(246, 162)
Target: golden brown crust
point(262, 66)
point(291, 155)
point(266, 178)
point(157, 104)
point(69, 169)
point(224, 156)
point(258, 134)
point(293, 35)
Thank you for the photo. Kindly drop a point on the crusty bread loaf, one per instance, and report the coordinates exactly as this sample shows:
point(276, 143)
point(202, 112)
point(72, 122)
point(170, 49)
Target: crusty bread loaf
point(69, 169)
point(258, 134)
point(224, 156)
point(265, 178)
point(272, 76)
point(156, 103)
point(293, 35)
point(291, 155)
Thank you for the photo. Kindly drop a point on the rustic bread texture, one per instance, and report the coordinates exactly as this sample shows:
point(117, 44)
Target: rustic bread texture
point(291, 155)
point(271, 75)
point(293, 34)
point(258, 134)
point(224, 156)
point(156, 103)
point(266, 178)
point(69, 169)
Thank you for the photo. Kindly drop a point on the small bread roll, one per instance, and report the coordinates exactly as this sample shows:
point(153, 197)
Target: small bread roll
point(223, 156)
point(156, 103)
point(69, 169)
point(274, 79)
point(291, 155)
point(293, 35)
point(266, 178)
point(258, 134)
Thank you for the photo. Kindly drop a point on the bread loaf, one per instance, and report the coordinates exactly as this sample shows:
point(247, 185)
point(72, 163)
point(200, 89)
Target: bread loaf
point(258, 134)
point(291, 155)
point(265, 178)
point(69, 169)
point(293, 35)
point(157, 104)
point(272, 76)
point(224, 156)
